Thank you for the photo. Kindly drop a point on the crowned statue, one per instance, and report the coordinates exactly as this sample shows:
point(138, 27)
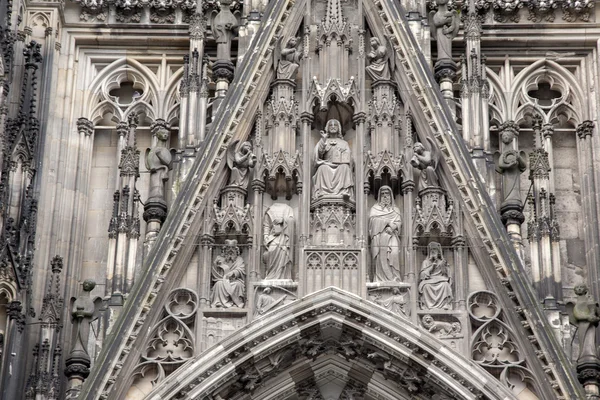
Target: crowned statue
point(333, 161)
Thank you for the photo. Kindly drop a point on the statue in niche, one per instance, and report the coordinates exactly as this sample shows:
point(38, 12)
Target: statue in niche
point(239, 162)
point(159, 161)
point(266, 302)
point(427, 162)
point(83, 313)
point(288, 59)
point(229, 274)
point(379, 68)
point(444, 27)
point(223, 26)
point(435, 287)
point(396, 303)
point(333, 160)
point(511, 164)
point(385, 223)
point(277, 231)
point(585, 316)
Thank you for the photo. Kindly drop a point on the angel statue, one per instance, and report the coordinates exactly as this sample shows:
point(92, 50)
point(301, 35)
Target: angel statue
point(159, 161)
point(84, 311)
point(240, 162)
point(444, 27)
point(426, 161)
point(288, 59)
point(511, 164)
point(585, 316)
point(378, 69)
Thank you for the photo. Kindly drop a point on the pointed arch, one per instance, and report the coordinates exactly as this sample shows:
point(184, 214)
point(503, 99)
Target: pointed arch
point(326, 331)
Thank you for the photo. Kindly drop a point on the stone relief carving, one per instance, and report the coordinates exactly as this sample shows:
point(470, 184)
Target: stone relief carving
point(441, 328)
point(396, 302)
point(159, 161)
point(385, 224)
point(378, 68)
point(435, 287)
point(239, 162)
point(267, 302)
point(427, 162)
point(278, 228)
point(403, 375)
point(444, 27)
point(334, 164)
point(229, 274)
point(585, 316)
point(288, 59)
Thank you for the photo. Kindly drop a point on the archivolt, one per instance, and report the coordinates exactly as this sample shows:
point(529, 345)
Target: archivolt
point(330, 336)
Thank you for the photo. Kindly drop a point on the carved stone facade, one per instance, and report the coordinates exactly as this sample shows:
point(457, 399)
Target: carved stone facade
point(338, 199)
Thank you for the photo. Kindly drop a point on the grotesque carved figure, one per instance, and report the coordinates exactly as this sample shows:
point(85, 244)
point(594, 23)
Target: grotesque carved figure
point(239, 162)
point(435, 288)
point(444, 27)
point(585, 316)
point(378, 69)
point(159, 162)
point(385, 223)
point(427, 162)
point(511, 163)
point(83, 313)
point(229, 274)
point(276, 233)
point(289, 59)
point(333, 159)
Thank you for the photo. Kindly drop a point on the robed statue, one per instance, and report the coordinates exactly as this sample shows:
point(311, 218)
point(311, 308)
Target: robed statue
point(333, 161)
point(385, 224)
point(277, 236)
point(239, 162)
point(378, 68)
point(158, 162)
point(229, 274)
point(288, 59)
point(435, 288)
point(427, 162)
point(585, 316)
point(511, 164)
point(444, 27)
point(84, 311)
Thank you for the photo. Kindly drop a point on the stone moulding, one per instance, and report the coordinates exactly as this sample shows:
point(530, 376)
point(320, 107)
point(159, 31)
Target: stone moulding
point(369, 333)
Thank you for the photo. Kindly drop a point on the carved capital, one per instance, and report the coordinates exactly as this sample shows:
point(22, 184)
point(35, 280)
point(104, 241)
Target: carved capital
point(223, 69)
point(512, 216)
point(585, 129)
point(547, 131)
point(158, 125)
point(155, 211)
point(307, 117)
point(122, 128)
point(85, 126)
point(359, 118)
point(509, 126)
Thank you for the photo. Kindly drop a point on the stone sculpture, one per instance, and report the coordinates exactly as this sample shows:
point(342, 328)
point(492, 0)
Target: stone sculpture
point(159, 161)
point(385, 223)
point(427, 162)
point(333, 160)
point(267, 302)
point(435, 288)
point(83, 313)
point(289, 59)
point(585, 316)
point(511, 164)
point(441, 328)
point(224, 24)
point(277, 241)
point(378, 69)
point(239, 162)
point(444, 27)
point(229, 274)
point(396, 303)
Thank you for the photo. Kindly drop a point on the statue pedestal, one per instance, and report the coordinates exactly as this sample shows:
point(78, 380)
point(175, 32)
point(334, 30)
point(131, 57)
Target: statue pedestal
point(333, 221)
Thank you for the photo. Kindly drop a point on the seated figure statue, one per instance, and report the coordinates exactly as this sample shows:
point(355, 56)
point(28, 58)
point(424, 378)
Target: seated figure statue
point(435, 288)
point(333, 161)
point(378, 69)
point(229, 274)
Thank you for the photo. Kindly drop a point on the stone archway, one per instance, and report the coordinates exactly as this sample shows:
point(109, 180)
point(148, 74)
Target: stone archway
point(330, 345)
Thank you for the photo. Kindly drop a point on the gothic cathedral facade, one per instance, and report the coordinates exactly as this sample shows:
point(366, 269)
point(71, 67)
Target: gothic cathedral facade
point(299, 199)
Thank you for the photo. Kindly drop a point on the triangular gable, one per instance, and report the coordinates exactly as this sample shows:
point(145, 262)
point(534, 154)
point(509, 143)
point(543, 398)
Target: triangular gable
point(496, 254)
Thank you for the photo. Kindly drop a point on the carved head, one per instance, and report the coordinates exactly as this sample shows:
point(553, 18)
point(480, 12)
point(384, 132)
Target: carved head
point(88, 285)
point(246, 147)
point(267, 290)
point(441, 2)
point(427, 321)
point(334, 128)
point(580, 290)
point(374, 42)
point(434, 250)
point(418, 148)
point(231, 250)
point(292, 42)
point(507, 136)
point(386, 197)
point(162, 134)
